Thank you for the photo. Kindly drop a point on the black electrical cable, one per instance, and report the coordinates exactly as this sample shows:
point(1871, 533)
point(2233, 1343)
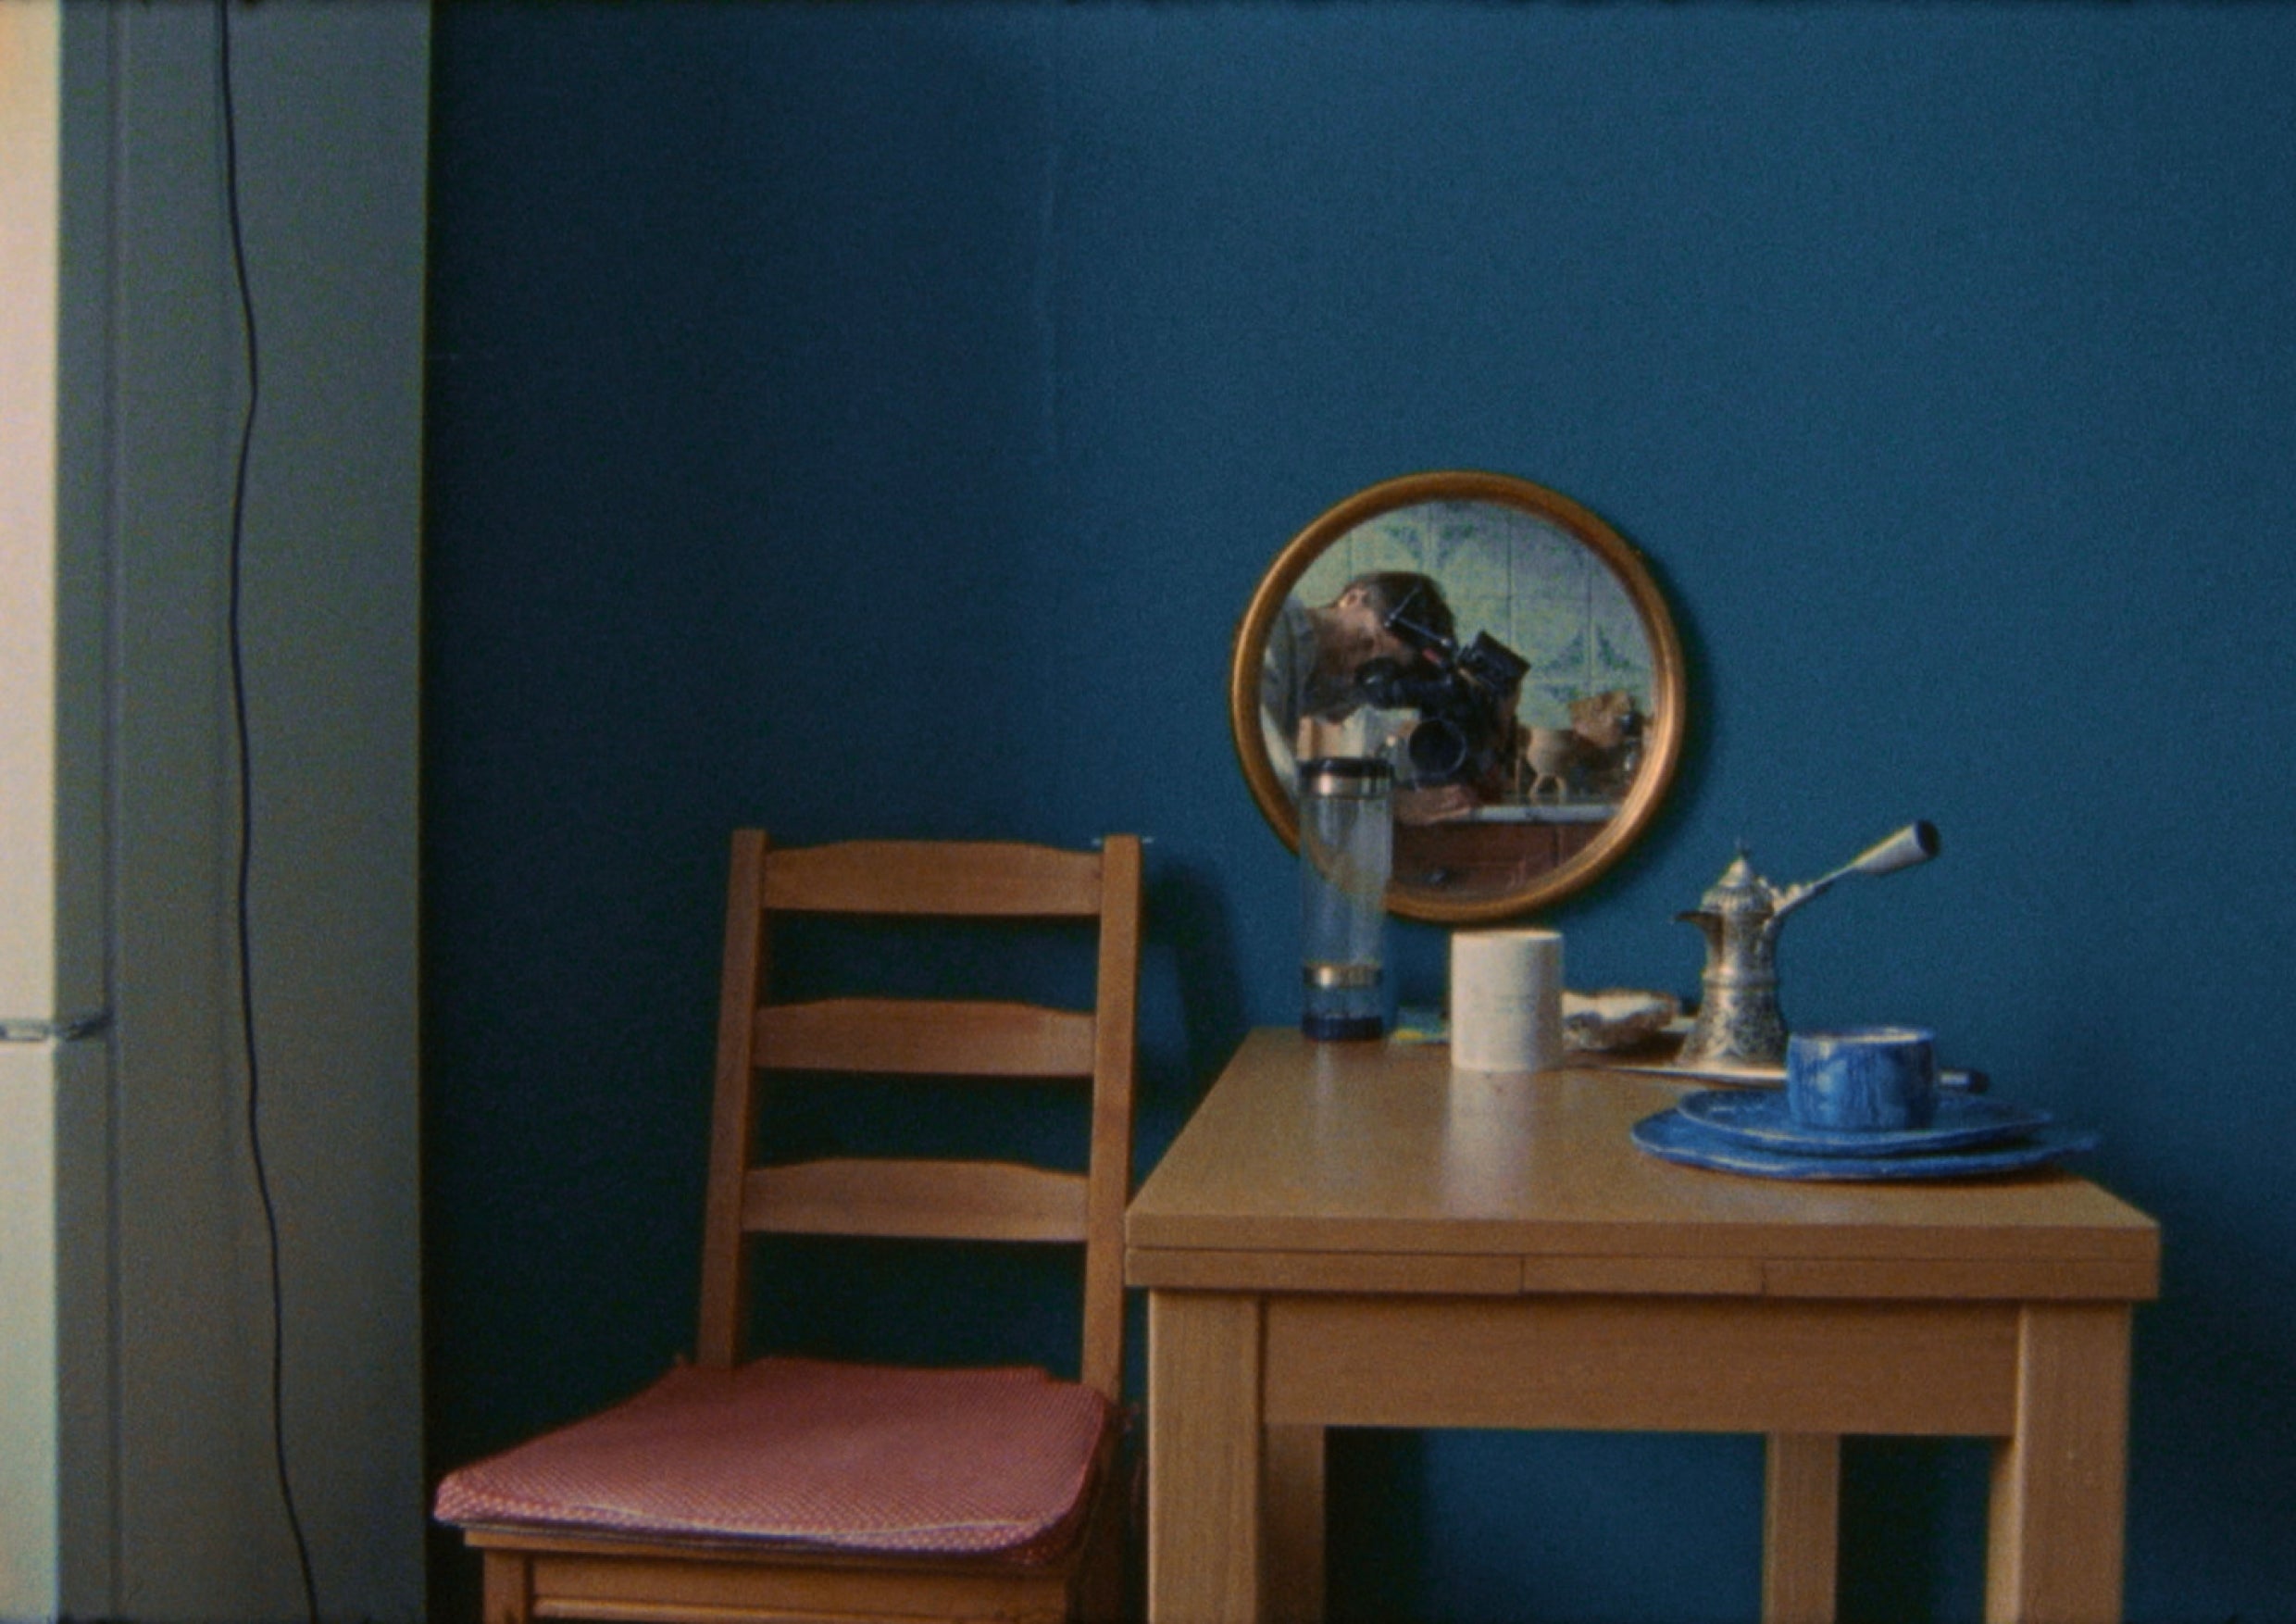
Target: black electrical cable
point(247, 808)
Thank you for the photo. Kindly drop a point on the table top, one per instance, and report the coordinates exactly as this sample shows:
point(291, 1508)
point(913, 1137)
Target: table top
point(1377, 1167)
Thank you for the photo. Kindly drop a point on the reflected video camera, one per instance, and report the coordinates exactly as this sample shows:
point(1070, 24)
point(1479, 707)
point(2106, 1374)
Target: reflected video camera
point(1465, 697)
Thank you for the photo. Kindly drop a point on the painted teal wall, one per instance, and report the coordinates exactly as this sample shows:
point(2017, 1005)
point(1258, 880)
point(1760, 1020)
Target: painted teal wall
point(872, 419)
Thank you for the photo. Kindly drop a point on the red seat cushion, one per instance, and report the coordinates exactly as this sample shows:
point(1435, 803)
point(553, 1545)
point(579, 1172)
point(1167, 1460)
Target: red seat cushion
point(847, 1458)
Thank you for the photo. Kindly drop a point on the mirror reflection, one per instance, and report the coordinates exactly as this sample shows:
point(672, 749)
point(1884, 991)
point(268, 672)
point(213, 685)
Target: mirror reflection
point(1502, 649)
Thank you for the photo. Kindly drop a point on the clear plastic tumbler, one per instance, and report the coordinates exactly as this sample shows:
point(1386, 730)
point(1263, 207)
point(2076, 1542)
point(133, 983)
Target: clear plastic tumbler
point(1347, 836)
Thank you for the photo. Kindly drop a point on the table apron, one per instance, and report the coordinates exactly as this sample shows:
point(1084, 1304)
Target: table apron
point(1624, 1364)
point(2129, 1277)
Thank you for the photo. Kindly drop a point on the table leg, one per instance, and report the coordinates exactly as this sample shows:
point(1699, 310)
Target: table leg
point(1801, 1527)
point(1293, 1492)
point(2060, 1484)
point(1204, 1539)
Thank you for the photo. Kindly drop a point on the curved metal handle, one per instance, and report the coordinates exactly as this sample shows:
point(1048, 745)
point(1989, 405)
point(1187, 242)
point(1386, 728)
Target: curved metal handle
point(1916, 843)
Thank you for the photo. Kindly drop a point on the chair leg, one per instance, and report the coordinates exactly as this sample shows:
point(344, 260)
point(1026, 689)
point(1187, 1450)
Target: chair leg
point(1100, 1580)
point(1100, 1587)
point(509, 1588)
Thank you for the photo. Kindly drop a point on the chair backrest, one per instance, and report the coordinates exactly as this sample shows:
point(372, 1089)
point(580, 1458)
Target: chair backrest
point(910, 1198)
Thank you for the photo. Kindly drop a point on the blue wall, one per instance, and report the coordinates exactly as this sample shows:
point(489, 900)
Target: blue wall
point(873, 419)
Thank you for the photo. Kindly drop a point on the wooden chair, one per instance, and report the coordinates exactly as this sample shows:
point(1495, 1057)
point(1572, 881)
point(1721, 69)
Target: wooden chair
point(720, 1495)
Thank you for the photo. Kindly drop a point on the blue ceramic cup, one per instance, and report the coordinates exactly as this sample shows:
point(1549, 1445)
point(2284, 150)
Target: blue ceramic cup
point(1866, 1077)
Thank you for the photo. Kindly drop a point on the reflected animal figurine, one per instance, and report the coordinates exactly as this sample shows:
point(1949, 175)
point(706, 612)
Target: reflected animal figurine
point(1596, 754)
point(1606, 720)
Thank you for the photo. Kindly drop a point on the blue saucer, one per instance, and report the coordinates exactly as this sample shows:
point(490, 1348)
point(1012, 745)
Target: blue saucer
point(1676, 1138)
point(1759, 1118)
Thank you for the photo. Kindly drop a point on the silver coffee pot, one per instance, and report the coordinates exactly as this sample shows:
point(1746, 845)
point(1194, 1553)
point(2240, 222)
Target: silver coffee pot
point(1739, 1022)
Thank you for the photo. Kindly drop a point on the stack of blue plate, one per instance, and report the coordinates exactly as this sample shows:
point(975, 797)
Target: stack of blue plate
point(1749, 1130)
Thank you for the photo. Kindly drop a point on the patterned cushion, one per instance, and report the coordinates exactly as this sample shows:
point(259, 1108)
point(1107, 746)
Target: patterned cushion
point(847, 1458)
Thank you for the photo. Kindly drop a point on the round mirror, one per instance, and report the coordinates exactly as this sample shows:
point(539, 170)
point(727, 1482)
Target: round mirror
point(1503, 649)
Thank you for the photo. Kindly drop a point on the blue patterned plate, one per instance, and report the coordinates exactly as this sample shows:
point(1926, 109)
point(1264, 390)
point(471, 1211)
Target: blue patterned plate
point(1676, 1138)
point(1759, 1116)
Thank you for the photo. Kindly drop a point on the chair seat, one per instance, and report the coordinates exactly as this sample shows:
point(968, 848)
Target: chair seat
point(813, 1454)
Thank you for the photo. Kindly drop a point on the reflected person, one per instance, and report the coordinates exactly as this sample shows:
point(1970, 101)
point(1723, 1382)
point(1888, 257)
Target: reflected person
point(1309, 680)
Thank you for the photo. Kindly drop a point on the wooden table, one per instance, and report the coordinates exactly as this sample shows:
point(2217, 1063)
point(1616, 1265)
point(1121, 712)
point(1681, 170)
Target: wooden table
point(1356, 1235)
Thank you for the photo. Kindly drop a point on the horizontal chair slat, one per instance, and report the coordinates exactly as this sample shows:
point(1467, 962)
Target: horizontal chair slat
point(916, 1200)
point(925, 1038)
point(1001, 879)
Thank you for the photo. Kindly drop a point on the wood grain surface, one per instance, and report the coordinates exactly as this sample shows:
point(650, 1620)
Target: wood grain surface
point(1376, 1150)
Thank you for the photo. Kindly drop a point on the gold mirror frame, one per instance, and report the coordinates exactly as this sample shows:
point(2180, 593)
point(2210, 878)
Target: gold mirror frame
point(1662, 724)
